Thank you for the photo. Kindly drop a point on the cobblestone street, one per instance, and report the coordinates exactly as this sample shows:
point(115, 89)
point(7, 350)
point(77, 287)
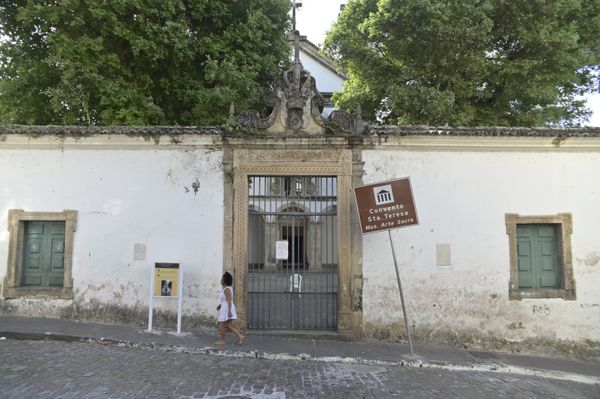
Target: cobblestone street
point(54, 369)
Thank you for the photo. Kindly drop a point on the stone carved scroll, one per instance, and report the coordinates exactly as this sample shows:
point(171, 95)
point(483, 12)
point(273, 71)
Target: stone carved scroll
point(296, 105)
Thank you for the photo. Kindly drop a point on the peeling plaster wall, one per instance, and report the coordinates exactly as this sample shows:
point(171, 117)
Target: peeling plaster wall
point(462, 198)
point(167, 203)
point(156, 195)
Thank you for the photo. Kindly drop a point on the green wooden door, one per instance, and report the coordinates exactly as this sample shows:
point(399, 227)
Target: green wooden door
point(43, 254)
point(538, 260)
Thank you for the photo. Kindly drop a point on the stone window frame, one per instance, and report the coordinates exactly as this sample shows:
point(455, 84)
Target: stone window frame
point(16, 227)
point(564, 222)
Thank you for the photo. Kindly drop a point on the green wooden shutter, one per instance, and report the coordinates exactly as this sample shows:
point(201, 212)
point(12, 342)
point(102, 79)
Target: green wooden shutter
point(43, 254)
point(548, 271)
point(537, 256)
point(524, 249)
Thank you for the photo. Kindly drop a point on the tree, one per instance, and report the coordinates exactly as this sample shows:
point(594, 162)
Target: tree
point(137, 62)
point(460, 62)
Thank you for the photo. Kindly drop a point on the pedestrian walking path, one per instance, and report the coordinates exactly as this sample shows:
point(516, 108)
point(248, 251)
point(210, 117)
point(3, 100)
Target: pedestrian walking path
point(317, 348)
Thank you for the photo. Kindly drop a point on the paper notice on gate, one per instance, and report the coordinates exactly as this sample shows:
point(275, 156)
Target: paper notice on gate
point(281, 250)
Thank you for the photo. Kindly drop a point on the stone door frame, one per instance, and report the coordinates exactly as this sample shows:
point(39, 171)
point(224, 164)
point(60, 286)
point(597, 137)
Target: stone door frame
point(239, 164)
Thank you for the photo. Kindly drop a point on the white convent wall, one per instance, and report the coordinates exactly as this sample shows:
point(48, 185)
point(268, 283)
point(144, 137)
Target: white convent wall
point(462, 198)
point(141, 196)
point(130, 190)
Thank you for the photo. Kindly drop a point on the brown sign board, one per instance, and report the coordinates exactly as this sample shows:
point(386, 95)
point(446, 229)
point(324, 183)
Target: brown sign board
point(385, 206)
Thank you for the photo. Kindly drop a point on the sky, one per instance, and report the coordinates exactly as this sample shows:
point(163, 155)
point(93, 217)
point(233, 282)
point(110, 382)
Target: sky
point(315, 18)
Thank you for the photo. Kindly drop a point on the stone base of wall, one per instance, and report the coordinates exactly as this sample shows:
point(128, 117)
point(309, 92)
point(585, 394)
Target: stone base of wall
point(474, 340)
point(96, 311)
point(99, 312)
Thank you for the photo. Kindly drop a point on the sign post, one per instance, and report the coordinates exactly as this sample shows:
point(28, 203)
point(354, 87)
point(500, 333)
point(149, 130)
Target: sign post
point(166, 281)
point(386, 206)
point(401, 296)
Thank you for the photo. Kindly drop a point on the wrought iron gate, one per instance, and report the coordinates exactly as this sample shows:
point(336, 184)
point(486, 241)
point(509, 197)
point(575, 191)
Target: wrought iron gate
point(297, 290)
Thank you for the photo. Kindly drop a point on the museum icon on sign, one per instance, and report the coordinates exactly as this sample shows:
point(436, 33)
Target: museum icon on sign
point(383, 194)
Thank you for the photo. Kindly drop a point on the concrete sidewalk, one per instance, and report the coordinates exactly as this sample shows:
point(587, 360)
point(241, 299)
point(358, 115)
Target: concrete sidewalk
point(317, 348)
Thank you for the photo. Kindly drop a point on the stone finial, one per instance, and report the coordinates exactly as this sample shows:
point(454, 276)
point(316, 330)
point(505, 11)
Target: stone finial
point(345, 122)
point(359, 124)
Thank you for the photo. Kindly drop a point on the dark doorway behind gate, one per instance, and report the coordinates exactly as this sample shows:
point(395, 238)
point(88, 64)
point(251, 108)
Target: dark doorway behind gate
point(298, 289)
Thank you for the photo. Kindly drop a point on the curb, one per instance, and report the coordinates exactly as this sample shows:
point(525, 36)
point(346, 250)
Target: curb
point(254, 354)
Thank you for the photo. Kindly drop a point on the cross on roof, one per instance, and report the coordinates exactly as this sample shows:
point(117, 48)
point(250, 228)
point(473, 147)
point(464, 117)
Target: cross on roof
point(295, 5)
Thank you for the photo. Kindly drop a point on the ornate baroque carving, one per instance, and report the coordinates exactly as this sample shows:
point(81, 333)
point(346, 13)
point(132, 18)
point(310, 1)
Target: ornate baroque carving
point(296, 105)
point(346, 122)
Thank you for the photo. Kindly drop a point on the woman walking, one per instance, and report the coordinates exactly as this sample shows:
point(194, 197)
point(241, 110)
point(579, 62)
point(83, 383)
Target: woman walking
point(226, 308)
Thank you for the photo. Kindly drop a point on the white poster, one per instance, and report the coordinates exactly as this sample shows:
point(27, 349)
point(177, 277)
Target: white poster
point(281, 250)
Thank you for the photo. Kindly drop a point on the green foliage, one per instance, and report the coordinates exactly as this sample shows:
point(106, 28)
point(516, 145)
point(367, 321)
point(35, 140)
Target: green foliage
point(137, 62)
point(459, 62)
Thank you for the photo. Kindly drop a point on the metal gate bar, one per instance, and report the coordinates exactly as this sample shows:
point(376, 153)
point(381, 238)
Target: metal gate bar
point(299, 292)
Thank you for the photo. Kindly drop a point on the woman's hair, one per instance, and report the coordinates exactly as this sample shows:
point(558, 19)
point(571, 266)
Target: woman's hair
point(227, 279)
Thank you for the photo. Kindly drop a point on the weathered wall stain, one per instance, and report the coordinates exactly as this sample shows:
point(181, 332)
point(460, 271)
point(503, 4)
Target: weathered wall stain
point(516, 326)
point(476, 339)
point(133, 315)
point(170, 176)
point(105, 312)
point(593, 306)
point(541, 309)
point(195, 187)
point(592, 259)
point(357, 299)
point(479, 319)
point(119, 303)
point(559, 141)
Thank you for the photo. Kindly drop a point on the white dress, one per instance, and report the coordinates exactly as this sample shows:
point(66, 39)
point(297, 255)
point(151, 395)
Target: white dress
point(223, 312)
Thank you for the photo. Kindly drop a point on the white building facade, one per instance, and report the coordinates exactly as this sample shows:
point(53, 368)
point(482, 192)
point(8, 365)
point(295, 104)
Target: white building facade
point(506, 253)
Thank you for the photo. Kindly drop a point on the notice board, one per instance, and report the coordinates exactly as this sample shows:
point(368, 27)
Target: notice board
point(166, 279)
